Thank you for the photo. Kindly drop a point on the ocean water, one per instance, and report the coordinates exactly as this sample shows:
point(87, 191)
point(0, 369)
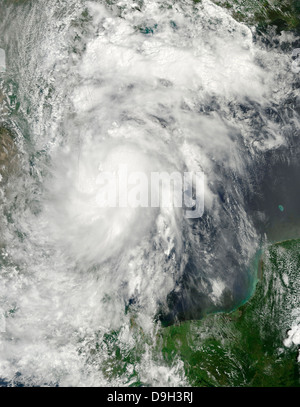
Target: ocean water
point(155, 86)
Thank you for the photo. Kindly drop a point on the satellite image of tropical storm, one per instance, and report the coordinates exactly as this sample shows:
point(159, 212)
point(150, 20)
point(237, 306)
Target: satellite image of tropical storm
point(149, 193)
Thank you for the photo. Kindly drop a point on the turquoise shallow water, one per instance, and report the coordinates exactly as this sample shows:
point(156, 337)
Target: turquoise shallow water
point(169, 86)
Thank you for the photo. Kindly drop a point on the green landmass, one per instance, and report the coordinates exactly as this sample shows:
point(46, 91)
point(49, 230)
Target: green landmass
point(243, 348)
point(8, 155)
point(283, 15)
